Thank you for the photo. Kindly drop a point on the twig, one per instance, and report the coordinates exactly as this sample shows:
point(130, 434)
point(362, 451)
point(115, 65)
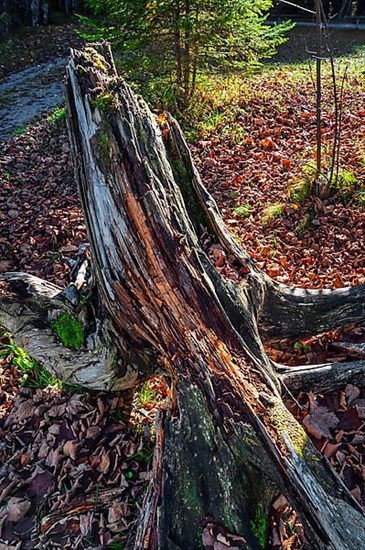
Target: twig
point(336, 137)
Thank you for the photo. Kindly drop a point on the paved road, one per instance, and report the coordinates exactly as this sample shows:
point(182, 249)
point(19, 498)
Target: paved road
point(29, 93)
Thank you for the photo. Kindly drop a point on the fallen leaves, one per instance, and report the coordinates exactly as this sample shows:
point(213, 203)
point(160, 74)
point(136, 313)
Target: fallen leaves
point(72, 463)
point(216, 537)
point(319, 422)
point(315, 243)
point(16, 508)
point(33, 46)
point(337, 428)
point(49, 223)
point(80, 449)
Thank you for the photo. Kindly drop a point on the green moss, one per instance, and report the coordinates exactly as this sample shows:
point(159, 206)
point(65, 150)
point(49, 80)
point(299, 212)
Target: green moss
point(69, 331)
point(191, 496)
point(103, 140)
point(95, 58)
point(284, 422)
point(183, 177)
point(272, 212)
point(259, 527)
point(105, 102)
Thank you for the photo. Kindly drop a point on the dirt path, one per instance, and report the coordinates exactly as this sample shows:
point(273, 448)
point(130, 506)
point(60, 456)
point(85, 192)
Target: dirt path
point(29, 93)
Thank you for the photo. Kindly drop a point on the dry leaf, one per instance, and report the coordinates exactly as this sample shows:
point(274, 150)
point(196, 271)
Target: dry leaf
point(319, 422)
point(352, 393)
point(70, 448)
point(104, 463)
point(16, 509)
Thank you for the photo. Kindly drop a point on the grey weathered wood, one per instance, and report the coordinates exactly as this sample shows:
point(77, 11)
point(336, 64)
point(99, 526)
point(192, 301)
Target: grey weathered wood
point(350, 347)
point(227, 445)
point(323, 378)
point(295, 312)
point(28, 313)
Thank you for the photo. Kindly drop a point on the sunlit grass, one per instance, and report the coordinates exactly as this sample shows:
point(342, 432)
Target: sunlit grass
point(33, 375)
point(219, 97)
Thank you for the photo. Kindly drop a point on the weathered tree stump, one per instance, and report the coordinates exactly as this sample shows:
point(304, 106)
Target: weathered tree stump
point(226, 445)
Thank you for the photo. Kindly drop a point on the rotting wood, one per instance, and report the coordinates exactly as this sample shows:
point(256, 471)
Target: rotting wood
point(227, 445)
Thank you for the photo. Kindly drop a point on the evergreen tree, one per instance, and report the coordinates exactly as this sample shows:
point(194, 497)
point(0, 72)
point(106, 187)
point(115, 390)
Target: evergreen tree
point(175, 39)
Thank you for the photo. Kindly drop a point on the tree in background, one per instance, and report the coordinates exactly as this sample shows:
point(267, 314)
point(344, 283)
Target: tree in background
point(174, 40)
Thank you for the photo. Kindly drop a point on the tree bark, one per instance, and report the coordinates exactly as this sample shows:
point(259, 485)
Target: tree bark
point(226, 446)
point(23, 12)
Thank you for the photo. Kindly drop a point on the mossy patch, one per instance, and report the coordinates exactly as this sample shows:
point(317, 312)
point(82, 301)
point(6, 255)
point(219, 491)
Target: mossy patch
point(105, 102)
point(95, 58)
point(284, 422)
point(300, 191)
point(259, 527)
point(69, 331)
point(103, 140)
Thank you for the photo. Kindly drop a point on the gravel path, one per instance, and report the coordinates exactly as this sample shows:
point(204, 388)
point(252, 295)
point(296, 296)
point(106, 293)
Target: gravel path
point(29, 93)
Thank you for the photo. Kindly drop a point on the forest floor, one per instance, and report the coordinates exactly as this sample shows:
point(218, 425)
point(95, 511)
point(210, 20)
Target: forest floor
point(79, 482)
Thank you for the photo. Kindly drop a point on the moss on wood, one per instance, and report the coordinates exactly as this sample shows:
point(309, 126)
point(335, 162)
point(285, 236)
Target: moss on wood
point(69, 330)
point(259, 527)
point(103, 140)
point(104, 101)
point(284, 422)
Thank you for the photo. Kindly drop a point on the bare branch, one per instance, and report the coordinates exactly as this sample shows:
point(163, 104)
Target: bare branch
point(322, 378)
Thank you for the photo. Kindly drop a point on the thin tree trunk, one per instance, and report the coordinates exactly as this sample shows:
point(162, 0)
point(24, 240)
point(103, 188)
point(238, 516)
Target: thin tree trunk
point(227, 446)
point(187, 54)
point(320, 178)
point(177, 47)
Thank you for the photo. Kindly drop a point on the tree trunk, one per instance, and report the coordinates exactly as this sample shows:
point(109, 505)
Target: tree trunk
point(23, 12)
point(226, 446)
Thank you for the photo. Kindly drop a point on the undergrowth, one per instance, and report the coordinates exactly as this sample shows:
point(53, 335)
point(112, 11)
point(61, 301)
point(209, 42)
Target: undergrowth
point(33, 374)
point(58, 116)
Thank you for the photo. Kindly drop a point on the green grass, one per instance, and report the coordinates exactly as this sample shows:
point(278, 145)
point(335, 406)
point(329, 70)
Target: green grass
point(272, 212)
point(145, 455)
point(115, 546)
point(242, 211)
point(33, 374)
point(299, 191)
point(58, 116)
point(360, 199)
point(20, 130)
point(305, 223)
point(219, 98)
point(146, 395)
point(345, 184)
